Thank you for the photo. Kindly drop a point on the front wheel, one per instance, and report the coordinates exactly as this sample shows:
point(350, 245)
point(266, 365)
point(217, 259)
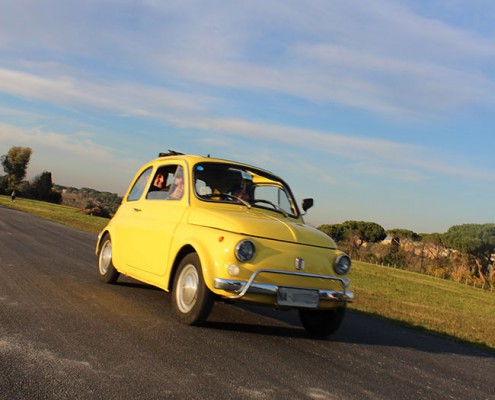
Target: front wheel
point(191, 299)
point(322, 322)
point(106, 271)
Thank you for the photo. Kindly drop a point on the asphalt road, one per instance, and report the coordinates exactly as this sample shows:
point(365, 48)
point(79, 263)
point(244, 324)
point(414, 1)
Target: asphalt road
point(65, 335)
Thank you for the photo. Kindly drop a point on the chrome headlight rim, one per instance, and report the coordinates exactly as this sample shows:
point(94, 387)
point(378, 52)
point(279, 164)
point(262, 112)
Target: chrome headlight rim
point(342, 264)
point(245, 250)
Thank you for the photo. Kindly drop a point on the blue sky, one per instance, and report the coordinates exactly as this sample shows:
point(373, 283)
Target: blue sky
point(383, 111)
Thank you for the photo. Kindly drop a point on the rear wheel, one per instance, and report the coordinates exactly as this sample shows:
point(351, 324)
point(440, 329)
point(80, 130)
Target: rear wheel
point(191, 299)
point(322, 322)
point(106, 271)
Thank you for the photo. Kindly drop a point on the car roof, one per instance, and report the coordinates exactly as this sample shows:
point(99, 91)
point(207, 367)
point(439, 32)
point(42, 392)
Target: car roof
point(194, 159)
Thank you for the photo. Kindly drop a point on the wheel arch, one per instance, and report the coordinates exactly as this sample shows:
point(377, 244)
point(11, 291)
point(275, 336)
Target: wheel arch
point(100, 239)
point(206, 258)
point(184, 251)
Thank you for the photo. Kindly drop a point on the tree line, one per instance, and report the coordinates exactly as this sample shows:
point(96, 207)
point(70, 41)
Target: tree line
point(89, 201)
point(15, 164)
point(465, 253)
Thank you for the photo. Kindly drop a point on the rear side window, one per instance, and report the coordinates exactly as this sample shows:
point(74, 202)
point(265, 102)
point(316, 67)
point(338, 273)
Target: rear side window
point(138, 188)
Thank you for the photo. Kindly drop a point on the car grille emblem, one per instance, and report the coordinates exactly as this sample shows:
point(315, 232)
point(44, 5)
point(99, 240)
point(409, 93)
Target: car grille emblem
point(299, 263)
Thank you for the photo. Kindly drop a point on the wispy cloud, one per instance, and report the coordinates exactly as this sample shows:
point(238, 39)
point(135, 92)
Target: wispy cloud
point(393, 69)
point(76, 157)
point(371, 57)
point(149, 102)
point(124, 99)
point(413, 161)
point(392, 85)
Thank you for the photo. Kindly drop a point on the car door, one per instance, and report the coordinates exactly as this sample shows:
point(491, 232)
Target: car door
point(151, 222)
point(125, 235)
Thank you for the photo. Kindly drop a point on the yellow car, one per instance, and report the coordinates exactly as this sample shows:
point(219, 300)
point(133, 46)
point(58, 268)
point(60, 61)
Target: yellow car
point(208, 229)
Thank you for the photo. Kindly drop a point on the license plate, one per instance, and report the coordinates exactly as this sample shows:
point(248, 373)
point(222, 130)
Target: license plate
point(304, 298)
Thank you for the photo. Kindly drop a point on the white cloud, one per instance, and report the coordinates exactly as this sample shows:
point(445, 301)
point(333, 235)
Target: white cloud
point(378, 56)
point(123, 98)
point(407, 159)
point(73, 159)
point(383, 80)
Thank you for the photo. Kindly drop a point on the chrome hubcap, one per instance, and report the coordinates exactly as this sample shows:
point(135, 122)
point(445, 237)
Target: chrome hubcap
point(105, 257)
point(187, 289)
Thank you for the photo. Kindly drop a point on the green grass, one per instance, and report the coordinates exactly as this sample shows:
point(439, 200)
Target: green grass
point(66, 215)
point(439, 306)
point(425, 302)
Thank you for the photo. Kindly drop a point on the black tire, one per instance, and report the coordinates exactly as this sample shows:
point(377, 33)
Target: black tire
point(106, 271)
point(191, 299)
point(322, 323)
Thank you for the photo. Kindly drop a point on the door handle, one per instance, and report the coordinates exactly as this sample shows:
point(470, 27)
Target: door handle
point(136, 209)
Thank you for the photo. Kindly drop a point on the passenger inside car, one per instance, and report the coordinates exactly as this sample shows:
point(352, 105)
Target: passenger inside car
point(159, 181)
point(242, 191)
point(168, 183)
point(177, 189)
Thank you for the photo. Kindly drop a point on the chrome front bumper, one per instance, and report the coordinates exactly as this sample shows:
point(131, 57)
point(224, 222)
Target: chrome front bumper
point(241, 288)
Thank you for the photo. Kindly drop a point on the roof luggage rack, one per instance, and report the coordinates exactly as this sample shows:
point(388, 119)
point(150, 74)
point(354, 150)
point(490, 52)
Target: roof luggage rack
point(170, 153)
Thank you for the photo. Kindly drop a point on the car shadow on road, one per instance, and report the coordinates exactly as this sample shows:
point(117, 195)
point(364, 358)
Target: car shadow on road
point(136, 285)
point(357, 328)
point(380, 331)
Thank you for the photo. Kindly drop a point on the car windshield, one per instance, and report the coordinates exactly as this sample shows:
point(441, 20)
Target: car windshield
point(237, 184)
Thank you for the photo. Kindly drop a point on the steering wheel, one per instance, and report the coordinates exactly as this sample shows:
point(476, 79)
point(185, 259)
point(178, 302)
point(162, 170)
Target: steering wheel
point(277, 208)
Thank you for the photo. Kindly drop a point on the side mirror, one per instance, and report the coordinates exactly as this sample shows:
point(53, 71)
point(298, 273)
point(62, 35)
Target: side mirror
point(307, 204)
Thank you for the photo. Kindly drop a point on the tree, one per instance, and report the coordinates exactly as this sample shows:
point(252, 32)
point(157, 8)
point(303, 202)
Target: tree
point(356, 233)
point(361, 232)
point(15, 164)
point(398, 255)
point(42, 185)
point(434, 244)
point(335, 231)
point(4, 184)
point(475, 240)
point(398, 234)
point(41, 188)
point(435, 253)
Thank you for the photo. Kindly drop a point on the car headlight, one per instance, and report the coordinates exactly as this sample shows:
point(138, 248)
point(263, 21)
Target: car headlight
point(342, 264)
point(244, 251)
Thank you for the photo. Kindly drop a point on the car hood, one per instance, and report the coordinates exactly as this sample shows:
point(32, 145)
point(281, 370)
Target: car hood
point(252, 222)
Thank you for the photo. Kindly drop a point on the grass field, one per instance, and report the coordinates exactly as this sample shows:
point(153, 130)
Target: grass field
point(66, 215)
point(425, 302)
point(442, 307)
